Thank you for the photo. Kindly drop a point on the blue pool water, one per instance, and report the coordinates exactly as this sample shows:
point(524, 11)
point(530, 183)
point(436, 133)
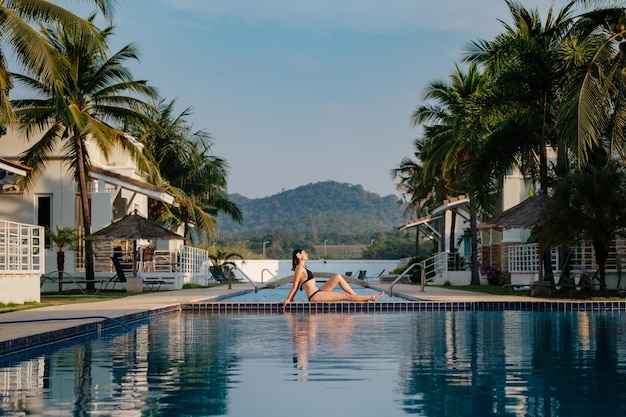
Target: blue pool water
point(280, 294)
point(507, 363)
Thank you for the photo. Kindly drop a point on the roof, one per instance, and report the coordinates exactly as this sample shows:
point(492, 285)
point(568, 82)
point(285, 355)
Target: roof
point(14, 167)
point(134, 226)
point(418, 222)
point(436, 213)
point(451, 202)
point(132, 184)
point(526, 215)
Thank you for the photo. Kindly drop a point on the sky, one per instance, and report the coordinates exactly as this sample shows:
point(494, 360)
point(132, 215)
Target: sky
point(301, 91)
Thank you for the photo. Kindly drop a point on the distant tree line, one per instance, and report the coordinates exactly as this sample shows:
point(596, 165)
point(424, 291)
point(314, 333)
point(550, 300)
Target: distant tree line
point(338, 213)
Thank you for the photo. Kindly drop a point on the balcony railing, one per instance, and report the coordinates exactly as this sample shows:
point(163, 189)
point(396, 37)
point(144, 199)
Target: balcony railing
point(21, 248)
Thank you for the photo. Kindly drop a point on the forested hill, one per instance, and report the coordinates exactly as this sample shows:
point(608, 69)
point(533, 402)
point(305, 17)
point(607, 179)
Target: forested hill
point(317, 211)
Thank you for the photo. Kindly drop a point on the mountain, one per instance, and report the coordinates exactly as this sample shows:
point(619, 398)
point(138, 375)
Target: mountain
point(314, 210)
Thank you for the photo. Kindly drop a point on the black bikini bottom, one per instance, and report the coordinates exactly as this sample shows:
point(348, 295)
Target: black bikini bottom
point(311, 296)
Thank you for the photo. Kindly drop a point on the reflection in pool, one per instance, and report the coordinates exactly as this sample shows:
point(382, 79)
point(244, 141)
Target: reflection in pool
point(503, 363)
point(280, 293)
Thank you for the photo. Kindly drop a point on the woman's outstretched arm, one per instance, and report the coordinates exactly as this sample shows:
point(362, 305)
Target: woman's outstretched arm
point(294, 287)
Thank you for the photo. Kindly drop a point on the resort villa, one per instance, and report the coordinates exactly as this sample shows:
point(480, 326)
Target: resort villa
point(117, 189)
point(505, 244)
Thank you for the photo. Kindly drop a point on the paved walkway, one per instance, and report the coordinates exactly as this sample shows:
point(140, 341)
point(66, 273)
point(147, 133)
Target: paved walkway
point(21, 324)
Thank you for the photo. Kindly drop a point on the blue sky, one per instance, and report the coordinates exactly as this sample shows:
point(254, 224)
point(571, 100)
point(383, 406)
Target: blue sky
point(301, 91)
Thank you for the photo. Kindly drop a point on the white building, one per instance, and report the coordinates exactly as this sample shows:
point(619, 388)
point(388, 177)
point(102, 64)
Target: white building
point(117, 189)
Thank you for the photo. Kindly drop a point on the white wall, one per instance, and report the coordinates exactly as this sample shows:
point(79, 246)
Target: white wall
point(254, 269)
point(515, 191)
point(19, 289)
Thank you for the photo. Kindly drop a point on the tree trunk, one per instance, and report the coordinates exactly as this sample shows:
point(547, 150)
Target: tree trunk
point(60, 268)
point(417, 241)
point(474, 244)
point(81, 168)
point(602, 253)
point(566, 265)
point(548, 273)
point(452, 230)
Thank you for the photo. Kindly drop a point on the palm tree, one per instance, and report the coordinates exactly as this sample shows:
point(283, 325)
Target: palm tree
point(222, 259)
point(424, 192)
point(589, 205)
point(525, 81)
point(33, 52)
point(453, 135)
point(555, 84)
point(62, 238)
point(191, 173)
point(594, 106)
point(86, 104)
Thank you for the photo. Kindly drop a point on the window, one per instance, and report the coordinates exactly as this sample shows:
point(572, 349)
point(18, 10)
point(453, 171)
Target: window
point(43, 212)
point(7, 182)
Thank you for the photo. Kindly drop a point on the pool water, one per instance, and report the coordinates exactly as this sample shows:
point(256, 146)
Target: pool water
point(280, 293)
point(506, 363)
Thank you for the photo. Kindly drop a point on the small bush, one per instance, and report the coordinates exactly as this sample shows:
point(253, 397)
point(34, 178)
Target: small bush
point(493, 275)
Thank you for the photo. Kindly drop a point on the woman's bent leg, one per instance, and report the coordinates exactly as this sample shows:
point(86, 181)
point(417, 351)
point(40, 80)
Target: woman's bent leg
point(337, 280)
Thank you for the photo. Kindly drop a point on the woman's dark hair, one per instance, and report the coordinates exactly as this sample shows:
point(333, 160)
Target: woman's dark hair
point(294, 259)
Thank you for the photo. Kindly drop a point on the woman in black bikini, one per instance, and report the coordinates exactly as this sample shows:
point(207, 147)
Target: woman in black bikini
point(303, 278)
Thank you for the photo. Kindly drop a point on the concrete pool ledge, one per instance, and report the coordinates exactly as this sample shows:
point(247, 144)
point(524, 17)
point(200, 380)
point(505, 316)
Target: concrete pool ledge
point(21, 330)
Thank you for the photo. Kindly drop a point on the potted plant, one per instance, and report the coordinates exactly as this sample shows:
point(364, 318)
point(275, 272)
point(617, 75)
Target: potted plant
point(61, 239)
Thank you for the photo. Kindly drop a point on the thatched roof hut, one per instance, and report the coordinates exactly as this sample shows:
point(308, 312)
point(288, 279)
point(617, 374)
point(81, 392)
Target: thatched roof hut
point(134, 226)
point(526, 215)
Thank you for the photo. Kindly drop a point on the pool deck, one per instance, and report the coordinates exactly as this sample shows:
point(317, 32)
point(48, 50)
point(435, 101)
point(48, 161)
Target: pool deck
point(26, 329)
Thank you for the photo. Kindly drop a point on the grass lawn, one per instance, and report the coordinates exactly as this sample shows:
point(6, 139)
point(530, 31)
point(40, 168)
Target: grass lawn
point(75, 297)
point(563, 294)
point(66, 297)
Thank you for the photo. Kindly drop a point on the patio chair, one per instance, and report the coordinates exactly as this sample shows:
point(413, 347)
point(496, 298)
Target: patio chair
point(119, 273)
point(349, 274)
point(120, 276)
point(218, 274)
point(362, 275)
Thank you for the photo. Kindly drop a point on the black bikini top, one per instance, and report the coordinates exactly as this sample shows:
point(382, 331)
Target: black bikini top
point(309, 277)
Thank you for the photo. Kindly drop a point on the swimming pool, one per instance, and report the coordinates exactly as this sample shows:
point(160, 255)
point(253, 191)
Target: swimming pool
point(445, 363)
point(280, 293)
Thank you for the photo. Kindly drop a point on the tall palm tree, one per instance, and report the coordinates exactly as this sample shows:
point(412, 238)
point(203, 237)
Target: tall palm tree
point(526, 91)
point(453, 135)
point(18, 28)
point(87, 103)
point(522, 64)
point(423, 192)
point(192, 173)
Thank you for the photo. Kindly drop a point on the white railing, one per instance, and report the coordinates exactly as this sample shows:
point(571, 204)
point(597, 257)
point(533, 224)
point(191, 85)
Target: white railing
point(525, 258)
point(21, 248)
point(175, 267)
point(436, 266)
point(194, 261)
